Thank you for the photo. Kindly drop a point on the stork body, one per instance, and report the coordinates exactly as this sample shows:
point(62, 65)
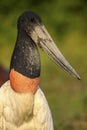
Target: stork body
point(23, 111)
point(23, 105)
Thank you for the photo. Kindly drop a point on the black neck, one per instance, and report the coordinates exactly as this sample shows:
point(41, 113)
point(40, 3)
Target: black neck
point(25, 58)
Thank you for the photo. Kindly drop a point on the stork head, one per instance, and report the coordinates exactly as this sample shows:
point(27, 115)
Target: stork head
point(32, 25)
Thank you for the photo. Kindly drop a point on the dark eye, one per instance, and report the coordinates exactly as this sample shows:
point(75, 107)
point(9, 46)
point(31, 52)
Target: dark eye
point(32, 20)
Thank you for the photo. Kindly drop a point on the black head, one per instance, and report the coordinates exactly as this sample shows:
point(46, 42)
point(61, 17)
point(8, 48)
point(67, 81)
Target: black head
point(32, 32)
point(25, 58)
point(28, 20)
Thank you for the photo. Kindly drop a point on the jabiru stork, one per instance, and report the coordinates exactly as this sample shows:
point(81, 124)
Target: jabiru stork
point(23, 105)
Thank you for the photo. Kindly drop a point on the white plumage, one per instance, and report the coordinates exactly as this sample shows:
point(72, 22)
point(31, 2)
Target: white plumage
point(23, 111)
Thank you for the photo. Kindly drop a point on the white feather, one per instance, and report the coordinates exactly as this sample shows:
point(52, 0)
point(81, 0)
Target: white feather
point(23, 111)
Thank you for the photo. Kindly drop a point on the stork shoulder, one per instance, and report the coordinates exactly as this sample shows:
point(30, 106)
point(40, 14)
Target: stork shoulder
point(42, 113)
point(15, 108)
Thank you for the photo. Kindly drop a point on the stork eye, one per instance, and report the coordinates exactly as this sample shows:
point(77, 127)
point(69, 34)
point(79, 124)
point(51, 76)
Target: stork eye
point(32, 20)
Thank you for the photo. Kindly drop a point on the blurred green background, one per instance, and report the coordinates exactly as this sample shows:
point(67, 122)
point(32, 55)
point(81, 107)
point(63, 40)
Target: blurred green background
point(66, 21)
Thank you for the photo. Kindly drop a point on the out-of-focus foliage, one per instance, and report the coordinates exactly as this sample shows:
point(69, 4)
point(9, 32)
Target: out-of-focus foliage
point(63, 15)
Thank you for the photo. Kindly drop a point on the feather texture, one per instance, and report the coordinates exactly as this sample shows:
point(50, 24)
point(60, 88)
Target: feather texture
point(23, 111)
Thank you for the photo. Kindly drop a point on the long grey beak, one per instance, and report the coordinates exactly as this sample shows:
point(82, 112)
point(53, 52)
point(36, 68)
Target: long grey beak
point(40, 36)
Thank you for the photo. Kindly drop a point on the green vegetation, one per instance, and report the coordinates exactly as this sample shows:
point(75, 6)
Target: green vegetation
point(66, 21)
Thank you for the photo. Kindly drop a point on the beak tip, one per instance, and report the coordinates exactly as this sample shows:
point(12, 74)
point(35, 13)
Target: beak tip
point(78, 77)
